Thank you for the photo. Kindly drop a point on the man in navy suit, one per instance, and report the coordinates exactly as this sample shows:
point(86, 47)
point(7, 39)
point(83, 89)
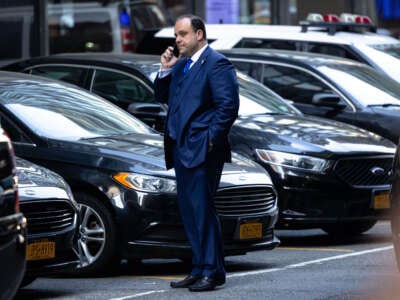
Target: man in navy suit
point(201, 90)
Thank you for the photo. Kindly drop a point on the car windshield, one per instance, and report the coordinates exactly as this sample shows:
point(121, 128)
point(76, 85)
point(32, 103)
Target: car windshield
point(366, 85)
point(255, 98)
point(63, 112)
point(391, 49)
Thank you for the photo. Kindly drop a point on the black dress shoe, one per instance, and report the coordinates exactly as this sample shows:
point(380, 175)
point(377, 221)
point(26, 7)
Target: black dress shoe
point(205, 284)
point(188, 280)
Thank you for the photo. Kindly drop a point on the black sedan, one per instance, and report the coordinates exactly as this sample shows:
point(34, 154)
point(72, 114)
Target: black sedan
point(329, 175)
point(114, 164)
point(52, 216)
point(12, 224)
point(326, 86)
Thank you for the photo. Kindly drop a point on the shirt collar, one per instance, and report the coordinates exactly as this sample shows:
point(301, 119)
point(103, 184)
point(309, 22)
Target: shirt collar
point(196, 56)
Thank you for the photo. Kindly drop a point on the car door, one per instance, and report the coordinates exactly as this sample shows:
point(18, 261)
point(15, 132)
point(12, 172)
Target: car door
point(131, 93)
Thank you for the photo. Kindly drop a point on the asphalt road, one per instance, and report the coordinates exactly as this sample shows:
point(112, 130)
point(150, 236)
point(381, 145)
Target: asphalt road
point(308, 265)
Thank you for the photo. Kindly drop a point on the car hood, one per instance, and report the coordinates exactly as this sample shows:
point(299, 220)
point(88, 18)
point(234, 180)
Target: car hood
point(36, 182)
point(144, 154)
point(309, 135)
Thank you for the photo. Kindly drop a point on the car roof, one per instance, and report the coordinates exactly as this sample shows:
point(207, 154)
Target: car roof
point(235, 32)
point(303, 58)
point(129, 60)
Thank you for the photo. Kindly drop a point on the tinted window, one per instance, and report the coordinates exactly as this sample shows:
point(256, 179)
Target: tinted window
point(255, 98)
point(329, 49)
point(268, 44)
point(69, 74)
point(391, 49)
point(11, 37)
point(12, 131)
point(293, 84)
point(79, 32)
point(249, 68)
point(147, 16)
point(121, 89)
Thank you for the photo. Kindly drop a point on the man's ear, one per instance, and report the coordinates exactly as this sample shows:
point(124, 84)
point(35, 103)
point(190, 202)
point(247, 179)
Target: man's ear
point(200, 34)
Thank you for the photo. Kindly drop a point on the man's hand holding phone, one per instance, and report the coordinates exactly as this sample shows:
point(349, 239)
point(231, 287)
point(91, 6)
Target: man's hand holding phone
point(170, 57)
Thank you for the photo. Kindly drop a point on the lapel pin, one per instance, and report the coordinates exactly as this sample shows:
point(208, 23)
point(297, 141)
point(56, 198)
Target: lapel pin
point(203, 61)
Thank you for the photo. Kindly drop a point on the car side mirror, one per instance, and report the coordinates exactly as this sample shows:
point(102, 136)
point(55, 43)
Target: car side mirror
point(145, 108)
point(328, 100)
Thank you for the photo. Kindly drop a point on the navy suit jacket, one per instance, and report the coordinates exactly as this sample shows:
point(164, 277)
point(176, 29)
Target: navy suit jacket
point(204, 103)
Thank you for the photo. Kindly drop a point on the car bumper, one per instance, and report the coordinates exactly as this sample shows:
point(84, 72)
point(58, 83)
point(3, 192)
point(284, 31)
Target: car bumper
point(163, 240)
point(310, 208)
point(51, 236)
point(12, 254)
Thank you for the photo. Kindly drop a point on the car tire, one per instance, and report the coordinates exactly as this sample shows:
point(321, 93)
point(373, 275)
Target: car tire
point(96, 244)
point(343, 230)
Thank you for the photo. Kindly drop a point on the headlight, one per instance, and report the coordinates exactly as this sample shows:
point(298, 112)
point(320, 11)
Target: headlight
point(296, 161)
point(146, 183)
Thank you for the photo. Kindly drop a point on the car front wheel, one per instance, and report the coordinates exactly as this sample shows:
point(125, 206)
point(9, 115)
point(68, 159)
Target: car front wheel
point(96, 242)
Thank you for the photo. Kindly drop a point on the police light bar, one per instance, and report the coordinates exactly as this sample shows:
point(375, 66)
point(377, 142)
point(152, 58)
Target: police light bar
point(334, 23)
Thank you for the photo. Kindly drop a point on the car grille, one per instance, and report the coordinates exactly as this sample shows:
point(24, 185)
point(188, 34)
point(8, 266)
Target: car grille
point(245, 200)
point(358, 172)
point(45, 216)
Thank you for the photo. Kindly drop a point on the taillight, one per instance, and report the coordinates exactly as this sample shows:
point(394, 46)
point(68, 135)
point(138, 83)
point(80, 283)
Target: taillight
point(126, 35)
point(126, 39)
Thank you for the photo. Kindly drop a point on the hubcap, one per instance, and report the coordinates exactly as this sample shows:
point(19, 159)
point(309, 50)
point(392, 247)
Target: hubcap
point(91, 237)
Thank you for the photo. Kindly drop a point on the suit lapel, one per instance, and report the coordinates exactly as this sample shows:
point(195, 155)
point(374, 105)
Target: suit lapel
point(184, 81)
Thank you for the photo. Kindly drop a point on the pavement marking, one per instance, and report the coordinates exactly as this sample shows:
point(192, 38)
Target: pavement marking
point(315, 249)
point(139, 295)
point(292, 266)
point(310, 262)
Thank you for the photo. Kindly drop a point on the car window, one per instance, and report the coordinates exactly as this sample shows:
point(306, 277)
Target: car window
point(329, 49)
point(249, 68)
point(268, 44)
point(72, 75)
point(14, 37)
point(79, 32)
point(293, 84)
point(121, 89)
point(147, 16)
point(255, 98)
point(12, 131)
point(391, 49)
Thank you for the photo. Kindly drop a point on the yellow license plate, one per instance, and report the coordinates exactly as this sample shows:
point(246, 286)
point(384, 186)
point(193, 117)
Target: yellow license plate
point(250, 231)
point(41, 250)
point(382, 200)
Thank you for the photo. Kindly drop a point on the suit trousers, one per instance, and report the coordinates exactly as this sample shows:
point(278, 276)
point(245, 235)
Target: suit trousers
point(196, 190)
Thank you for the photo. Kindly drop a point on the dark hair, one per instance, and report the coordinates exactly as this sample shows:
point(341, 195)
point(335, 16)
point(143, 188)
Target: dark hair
point(196, 22)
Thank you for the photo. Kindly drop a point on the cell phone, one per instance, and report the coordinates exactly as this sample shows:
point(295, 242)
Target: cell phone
point(175, 52)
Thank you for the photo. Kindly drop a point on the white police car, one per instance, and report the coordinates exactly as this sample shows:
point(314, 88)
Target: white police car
point(349, 36)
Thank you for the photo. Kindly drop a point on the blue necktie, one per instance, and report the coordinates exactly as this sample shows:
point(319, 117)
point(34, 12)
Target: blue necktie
point(187, 66)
